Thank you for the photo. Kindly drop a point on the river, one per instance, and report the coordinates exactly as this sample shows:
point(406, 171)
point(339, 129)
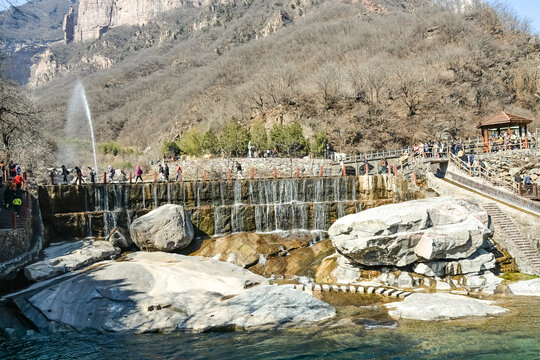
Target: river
point(513, 336)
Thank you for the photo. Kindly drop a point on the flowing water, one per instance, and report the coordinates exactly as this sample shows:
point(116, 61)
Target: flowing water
point(515, 336)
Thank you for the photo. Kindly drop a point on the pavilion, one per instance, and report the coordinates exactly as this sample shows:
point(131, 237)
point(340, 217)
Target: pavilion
point(506, 122)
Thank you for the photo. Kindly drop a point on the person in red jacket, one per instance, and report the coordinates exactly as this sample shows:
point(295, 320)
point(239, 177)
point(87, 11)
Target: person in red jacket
point(18, 180)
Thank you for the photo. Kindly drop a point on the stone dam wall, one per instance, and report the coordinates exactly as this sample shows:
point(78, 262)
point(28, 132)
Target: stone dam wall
point(217, 207)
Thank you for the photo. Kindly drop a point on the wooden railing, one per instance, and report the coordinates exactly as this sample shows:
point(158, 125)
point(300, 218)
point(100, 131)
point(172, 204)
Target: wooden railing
point(475, 145)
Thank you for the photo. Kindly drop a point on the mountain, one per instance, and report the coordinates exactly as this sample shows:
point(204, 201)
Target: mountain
point(369, 73)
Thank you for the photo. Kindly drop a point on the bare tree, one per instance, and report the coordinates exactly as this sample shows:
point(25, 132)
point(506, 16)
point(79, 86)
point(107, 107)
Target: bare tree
point(19, 123)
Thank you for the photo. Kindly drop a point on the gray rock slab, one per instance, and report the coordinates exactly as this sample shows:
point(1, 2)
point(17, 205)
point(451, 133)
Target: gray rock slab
point(431, 307)
point(526, 287)
point(64, 257)
point(164, 292)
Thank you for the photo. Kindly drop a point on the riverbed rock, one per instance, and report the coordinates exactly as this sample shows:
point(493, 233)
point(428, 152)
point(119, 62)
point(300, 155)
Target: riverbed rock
point(486, 282)
point(156, 291)
point(401, 234)
point(526, 287)
point(442, 307)
point(248, 249)
point(477, 262)
point(167, 228)
point(68, 256)
point(119, 238)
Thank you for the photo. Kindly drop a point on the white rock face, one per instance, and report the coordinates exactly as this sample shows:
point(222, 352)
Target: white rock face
point(64, 257)
point(442, 307)
point(526, 287)
point(166, 228)
point(401, 234)
point(486, 282)
point(479, 261)
point(166, 292)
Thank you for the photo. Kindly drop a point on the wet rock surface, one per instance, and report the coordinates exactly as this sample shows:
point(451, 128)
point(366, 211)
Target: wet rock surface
point(442, 307)
point(526, 287)
point(65, 257)
point(165, 292)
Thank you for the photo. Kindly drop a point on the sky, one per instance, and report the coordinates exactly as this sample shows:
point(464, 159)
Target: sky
point(529, 9)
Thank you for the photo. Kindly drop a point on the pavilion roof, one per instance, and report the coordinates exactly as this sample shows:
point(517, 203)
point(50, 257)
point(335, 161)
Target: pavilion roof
point(503, 119)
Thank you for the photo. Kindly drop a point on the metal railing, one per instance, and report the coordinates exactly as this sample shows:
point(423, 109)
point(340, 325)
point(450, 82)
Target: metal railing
point(515, 199)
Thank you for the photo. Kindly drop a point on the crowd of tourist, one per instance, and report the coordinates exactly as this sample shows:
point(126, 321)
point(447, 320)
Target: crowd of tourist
point(13, 194)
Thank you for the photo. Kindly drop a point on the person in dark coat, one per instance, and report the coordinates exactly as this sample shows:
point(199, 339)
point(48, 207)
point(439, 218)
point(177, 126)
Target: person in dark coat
point(8, 195)
point(166, 173)
point(18, 200)
point(65, 174)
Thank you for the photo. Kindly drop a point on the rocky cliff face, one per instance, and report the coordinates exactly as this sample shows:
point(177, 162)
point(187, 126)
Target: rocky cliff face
point(96, 17)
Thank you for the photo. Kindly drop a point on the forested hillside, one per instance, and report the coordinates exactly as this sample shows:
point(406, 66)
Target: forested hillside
point(370, 74)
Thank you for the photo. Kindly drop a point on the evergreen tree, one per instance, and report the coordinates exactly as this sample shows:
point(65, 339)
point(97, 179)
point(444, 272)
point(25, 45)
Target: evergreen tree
point(234, 139)
point(259, 139)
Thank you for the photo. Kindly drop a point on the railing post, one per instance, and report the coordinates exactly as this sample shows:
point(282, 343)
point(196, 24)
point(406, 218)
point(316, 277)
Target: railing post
point(204, 175)
point(155, 176)
point(229, 174)
point(104, 177)
point(367, 169)
point(297, 172)
point(79, 179)
point(321, 172)
point(395, 170)
point(344, 170)
point(52, 177)
point(520, 189)
point(252, 173)
point(130, 177)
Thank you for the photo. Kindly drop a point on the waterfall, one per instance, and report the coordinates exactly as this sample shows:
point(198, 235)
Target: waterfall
point(154, 195)
point(237, 192)
point(143, 197)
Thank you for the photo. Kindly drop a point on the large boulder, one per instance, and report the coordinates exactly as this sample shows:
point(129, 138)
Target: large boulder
point(404, 233)
point(442, 307)
point(63, 257)
point(167, 228)
point(156, 291)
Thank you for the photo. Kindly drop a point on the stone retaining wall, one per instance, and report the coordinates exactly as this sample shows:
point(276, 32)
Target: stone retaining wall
point(218, 207)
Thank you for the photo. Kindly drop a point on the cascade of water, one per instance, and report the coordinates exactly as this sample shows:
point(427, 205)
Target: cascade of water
point(105, 198)
point(237, 219)
point(222, 190)
point(89, 230)
point(198, 194)
point(237, 192)
point(143, 197)
point(154, 196)
point(320, 215)
point(97, 199)
point(168, 193)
